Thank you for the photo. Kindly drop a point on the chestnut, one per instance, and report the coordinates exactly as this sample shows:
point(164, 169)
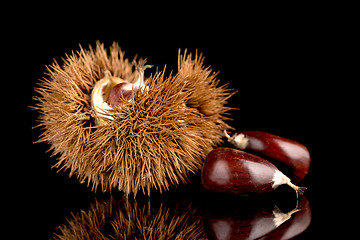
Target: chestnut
point(286, 151)
point(111, 91)
point(229, 170)
point(119, 93)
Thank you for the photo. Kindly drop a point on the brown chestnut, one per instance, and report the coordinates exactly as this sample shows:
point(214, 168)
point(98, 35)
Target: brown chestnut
point(120, 93)
point(113, 91)
point(286, 151)
point(229, 170)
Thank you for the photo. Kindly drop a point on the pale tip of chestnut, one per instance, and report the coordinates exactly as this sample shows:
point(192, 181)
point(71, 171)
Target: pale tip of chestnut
point(140, 68)
point(279, 178)
point(238, 140)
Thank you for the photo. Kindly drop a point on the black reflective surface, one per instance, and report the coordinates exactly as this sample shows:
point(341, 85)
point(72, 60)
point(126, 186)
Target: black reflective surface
point(188, 213)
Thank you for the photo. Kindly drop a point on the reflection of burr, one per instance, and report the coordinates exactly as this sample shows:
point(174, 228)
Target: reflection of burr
point(132, 219)
point(111, 127)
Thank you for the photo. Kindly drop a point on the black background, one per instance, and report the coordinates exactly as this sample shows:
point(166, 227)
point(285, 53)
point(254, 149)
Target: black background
point(279, 61)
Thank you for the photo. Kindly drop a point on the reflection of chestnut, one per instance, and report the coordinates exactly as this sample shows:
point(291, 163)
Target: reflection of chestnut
point(262, 223)
point(233, 171)
point(289, 152)
point(297, 224)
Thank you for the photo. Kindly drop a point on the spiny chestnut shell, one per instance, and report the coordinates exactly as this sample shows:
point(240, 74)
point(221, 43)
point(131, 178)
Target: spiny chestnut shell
point(155, 141)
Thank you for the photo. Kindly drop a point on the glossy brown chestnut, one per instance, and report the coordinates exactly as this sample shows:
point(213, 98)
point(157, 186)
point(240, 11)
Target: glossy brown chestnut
point(229, 170)
point(120, 93)
point(286, 151)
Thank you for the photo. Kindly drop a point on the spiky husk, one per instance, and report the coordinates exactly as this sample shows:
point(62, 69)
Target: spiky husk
point(155, 141)
point(129, 219)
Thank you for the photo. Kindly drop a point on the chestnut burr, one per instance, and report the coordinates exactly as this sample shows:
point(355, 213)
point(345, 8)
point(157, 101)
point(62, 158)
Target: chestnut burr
point(229, 170)
point(112, 127)
point(286, 151)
